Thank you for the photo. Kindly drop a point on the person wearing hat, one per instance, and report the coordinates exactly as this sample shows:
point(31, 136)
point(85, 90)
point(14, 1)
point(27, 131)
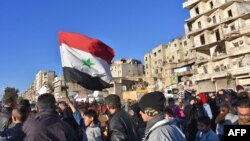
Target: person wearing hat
point(158, 128)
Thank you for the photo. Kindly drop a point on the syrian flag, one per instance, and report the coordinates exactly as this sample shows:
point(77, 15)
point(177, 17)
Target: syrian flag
point(85, 60)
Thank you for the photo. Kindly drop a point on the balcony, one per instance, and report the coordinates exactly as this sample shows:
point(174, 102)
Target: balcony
point(201, 61)
point(241, 70)
point(238, 50)
point(202, 76)
point(188, 72)
point(189, 3)
point(219, 74)
point(219, 57)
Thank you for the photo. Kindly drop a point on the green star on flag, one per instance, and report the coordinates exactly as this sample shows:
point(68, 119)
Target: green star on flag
point(87, 63)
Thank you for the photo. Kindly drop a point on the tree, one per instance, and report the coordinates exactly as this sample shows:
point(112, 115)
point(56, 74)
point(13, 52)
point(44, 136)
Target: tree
point(10, 94)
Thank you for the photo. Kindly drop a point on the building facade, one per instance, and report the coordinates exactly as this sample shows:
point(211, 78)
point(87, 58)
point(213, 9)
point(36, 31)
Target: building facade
point(220, 30)
point(44, 78)
point(60, 88)
point(127, 68)
point(172, 62)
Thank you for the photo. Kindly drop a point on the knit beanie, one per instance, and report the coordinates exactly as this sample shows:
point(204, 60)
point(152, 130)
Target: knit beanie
point(152, 103)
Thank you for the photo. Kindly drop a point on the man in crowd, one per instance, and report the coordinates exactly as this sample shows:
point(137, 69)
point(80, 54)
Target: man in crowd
point(243, 110)
point(121, 127)
point(47, 125)
point(158, 128)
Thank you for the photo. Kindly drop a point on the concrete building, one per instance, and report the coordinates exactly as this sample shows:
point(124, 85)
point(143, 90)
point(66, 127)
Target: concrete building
point(220, 30)
point(172, 62)
point(30, 93)
point(44, 78)
point(127, 68)
point(60, 88)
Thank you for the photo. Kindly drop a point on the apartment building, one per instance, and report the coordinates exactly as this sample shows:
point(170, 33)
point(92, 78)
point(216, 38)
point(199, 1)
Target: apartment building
point(127, 68)
point(172, 62)
point(30, 93)
point(220, 30)
point(44, 78)
point(60, 88)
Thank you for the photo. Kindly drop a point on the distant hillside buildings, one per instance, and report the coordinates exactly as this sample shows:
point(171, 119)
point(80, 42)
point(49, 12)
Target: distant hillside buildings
point(214, 53)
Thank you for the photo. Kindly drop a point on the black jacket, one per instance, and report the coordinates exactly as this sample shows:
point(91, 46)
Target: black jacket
point(48, 126)
point(122, 127)
point(5, 118)
point(12, 134)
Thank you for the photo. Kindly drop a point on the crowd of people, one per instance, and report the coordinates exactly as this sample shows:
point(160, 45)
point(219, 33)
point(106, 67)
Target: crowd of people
point(190, 117)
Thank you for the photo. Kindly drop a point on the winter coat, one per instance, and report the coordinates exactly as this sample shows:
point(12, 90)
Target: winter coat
point(160, 129)
point(208, 136)
point(48, 126)
point(121, 127)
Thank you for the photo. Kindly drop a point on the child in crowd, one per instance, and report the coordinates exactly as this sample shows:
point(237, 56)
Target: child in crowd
point(93, 131)
point(205, 132)
point(19, 115)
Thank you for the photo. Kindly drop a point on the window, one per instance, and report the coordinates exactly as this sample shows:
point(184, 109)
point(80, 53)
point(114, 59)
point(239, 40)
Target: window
point(189, 26)
point(159, 51)
point(172, 57)
point(161, 69)
point(205, 69)
point(202, 39)
point(146, 66)
point(199, 24)
point(230, 14)
point(185, 43)
point(232, 27)
point(217, 34)
point(155, 54)
point(211, 4)
point(180, 43)
point(146, 59)
point(155, 62)
point(197, 11)
point(175, 45)
point(214, 19)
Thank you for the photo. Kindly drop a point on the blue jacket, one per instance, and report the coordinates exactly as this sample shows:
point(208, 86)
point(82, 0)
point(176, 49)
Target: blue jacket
point(208, 136)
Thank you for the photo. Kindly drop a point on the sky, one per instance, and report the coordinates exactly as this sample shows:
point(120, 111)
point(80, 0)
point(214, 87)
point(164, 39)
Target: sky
point(29, 31)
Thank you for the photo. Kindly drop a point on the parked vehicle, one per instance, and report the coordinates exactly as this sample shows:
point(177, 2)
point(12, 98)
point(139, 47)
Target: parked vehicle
point(171, 93)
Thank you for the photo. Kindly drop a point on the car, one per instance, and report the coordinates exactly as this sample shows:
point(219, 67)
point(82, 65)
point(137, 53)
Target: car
point(171, 93)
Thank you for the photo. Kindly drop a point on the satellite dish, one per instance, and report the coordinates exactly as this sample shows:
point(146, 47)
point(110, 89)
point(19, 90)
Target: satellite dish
point(95, 94)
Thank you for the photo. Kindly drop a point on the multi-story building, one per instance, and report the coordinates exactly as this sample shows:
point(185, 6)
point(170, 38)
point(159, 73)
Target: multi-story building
point(44, 78)
point(127, 68)
point(172, 62)
point(60, 88)
point(220, 30)
point(154, 62)
point(30, 93)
